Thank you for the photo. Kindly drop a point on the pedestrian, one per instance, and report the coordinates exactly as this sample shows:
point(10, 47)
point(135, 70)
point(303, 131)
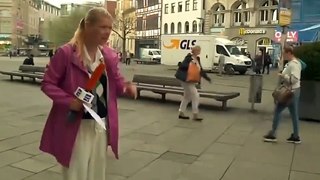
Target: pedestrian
point(50, 54)
point(258, 62)
point(128, 58)
point(290, 76)
point(80, 145)
point(266, 62)
point(190, 90)
point(221, 64)
point(29, 60)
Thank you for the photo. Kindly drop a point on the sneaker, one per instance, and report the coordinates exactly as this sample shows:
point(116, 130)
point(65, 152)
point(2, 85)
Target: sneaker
point(183, 117)
point(270, 138)
point(293, 139)
point(197, 118)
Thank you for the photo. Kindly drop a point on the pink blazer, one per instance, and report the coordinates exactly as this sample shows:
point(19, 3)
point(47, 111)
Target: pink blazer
point(64, 75)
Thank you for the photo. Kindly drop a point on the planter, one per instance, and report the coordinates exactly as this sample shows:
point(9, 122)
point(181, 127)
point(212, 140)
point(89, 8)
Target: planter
point(309, 107)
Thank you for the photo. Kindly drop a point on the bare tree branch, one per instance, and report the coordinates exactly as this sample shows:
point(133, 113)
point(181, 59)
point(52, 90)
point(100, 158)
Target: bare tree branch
point(118, 34)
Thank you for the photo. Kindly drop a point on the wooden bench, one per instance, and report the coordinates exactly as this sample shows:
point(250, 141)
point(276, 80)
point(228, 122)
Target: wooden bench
point(164, 85)
point(29, 71)
point(145, 61)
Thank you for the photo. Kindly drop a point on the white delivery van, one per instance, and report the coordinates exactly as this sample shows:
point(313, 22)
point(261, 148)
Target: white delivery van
point(150, 54)
point(175, 47)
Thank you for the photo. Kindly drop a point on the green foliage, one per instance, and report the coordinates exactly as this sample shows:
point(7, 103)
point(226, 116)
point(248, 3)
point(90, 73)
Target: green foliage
point(62, 29)
point(310, 54)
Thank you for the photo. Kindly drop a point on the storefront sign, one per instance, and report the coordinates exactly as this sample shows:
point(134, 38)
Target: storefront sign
point(217, 30)
point(243, 31)
point(292, 36)
point(284, 17)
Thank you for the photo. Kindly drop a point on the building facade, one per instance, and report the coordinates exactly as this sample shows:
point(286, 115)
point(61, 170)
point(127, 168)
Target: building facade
point(305, 13)
point(148, 27)
point(22, 19)
point(251, 24)
point(124, 14)
point(182, 16)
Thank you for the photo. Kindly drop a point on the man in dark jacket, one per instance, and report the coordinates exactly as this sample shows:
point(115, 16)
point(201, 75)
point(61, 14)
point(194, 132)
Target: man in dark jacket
point(29, 60)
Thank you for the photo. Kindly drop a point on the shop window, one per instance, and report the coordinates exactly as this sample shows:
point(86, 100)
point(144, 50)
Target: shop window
point(187, 27)
point(194, 26)
point(165, 28)
point(172, 28)
point(179, 27)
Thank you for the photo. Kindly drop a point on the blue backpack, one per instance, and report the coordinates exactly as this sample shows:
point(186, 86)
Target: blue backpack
point(303, 65)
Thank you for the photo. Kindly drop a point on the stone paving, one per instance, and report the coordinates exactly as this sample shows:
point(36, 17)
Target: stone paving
point(155, 145)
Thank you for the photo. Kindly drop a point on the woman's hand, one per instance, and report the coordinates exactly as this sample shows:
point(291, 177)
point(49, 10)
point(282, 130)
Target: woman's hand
point(131, 90)
point(75, 105)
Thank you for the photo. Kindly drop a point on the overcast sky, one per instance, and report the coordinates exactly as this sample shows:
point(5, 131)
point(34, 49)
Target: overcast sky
point(58, 2)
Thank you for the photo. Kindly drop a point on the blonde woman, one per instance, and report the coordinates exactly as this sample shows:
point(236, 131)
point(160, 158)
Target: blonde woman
point(190, 90)
point(80, 146)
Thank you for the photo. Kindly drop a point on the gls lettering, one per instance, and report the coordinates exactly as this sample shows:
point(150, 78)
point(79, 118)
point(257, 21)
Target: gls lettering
point(187, 44)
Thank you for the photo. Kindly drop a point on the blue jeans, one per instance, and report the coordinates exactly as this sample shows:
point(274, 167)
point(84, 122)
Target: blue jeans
point(294, 112)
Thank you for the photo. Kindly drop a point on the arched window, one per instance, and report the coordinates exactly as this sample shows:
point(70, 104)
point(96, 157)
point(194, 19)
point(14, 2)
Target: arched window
point(186, 27)
point(165, 28)
point(194, 26)
point(172, 28)
point(269, 12)
point(179, 27)
point(241, 13)
point(218, 13)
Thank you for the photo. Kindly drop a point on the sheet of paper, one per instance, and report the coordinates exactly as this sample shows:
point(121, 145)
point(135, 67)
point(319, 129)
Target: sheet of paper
point(95, 116)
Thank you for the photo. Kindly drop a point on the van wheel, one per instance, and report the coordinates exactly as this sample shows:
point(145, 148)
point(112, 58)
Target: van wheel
point(229, 69)
point(242, 72)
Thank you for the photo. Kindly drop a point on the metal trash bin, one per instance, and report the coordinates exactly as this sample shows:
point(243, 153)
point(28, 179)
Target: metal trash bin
point(255, 90)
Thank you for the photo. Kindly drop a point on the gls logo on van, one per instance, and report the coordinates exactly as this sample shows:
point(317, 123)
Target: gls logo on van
point(183, 44)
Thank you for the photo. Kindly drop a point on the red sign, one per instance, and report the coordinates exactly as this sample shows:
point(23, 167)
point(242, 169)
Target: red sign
point(19, 25)
point(292, 36)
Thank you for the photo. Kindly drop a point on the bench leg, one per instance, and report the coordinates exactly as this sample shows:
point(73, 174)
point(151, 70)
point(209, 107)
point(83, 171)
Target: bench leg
point(163, 97)
point(138, 94)
point(22, 78)
point(11, 77)
point(224, 105)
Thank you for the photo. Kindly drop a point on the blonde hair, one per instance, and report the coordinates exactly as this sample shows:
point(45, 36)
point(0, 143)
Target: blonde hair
point(92, 16)
point(195, 48)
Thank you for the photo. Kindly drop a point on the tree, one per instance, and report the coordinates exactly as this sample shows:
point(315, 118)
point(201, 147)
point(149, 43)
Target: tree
point(124, 24)
point(62, 29)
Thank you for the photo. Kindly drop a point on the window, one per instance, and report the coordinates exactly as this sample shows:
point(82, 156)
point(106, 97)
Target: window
point(172, 28)
point(166, 8)
point(194, 26)
point(264, 15)
point(173, 5)
point(187, 5)
point(241, 14)
point(195, 4)
point(165, 28)
point(179, 6)
point(179, 27)
point(187, 27)
point(221, 50)
point(218, 14)
point(269, 12)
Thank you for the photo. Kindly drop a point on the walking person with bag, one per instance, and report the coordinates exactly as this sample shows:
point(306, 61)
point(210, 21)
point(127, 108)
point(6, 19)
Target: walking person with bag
point(287, 95)
point(189, 73)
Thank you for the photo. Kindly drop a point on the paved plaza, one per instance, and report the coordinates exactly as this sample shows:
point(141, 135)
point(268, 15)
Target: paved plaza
point(155, 144)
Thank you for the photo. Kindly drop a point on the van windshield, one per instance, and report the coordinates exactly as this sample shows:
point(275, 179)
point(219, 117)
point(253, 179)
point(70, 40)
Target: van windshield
point(156, 52)
point(233, 50)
